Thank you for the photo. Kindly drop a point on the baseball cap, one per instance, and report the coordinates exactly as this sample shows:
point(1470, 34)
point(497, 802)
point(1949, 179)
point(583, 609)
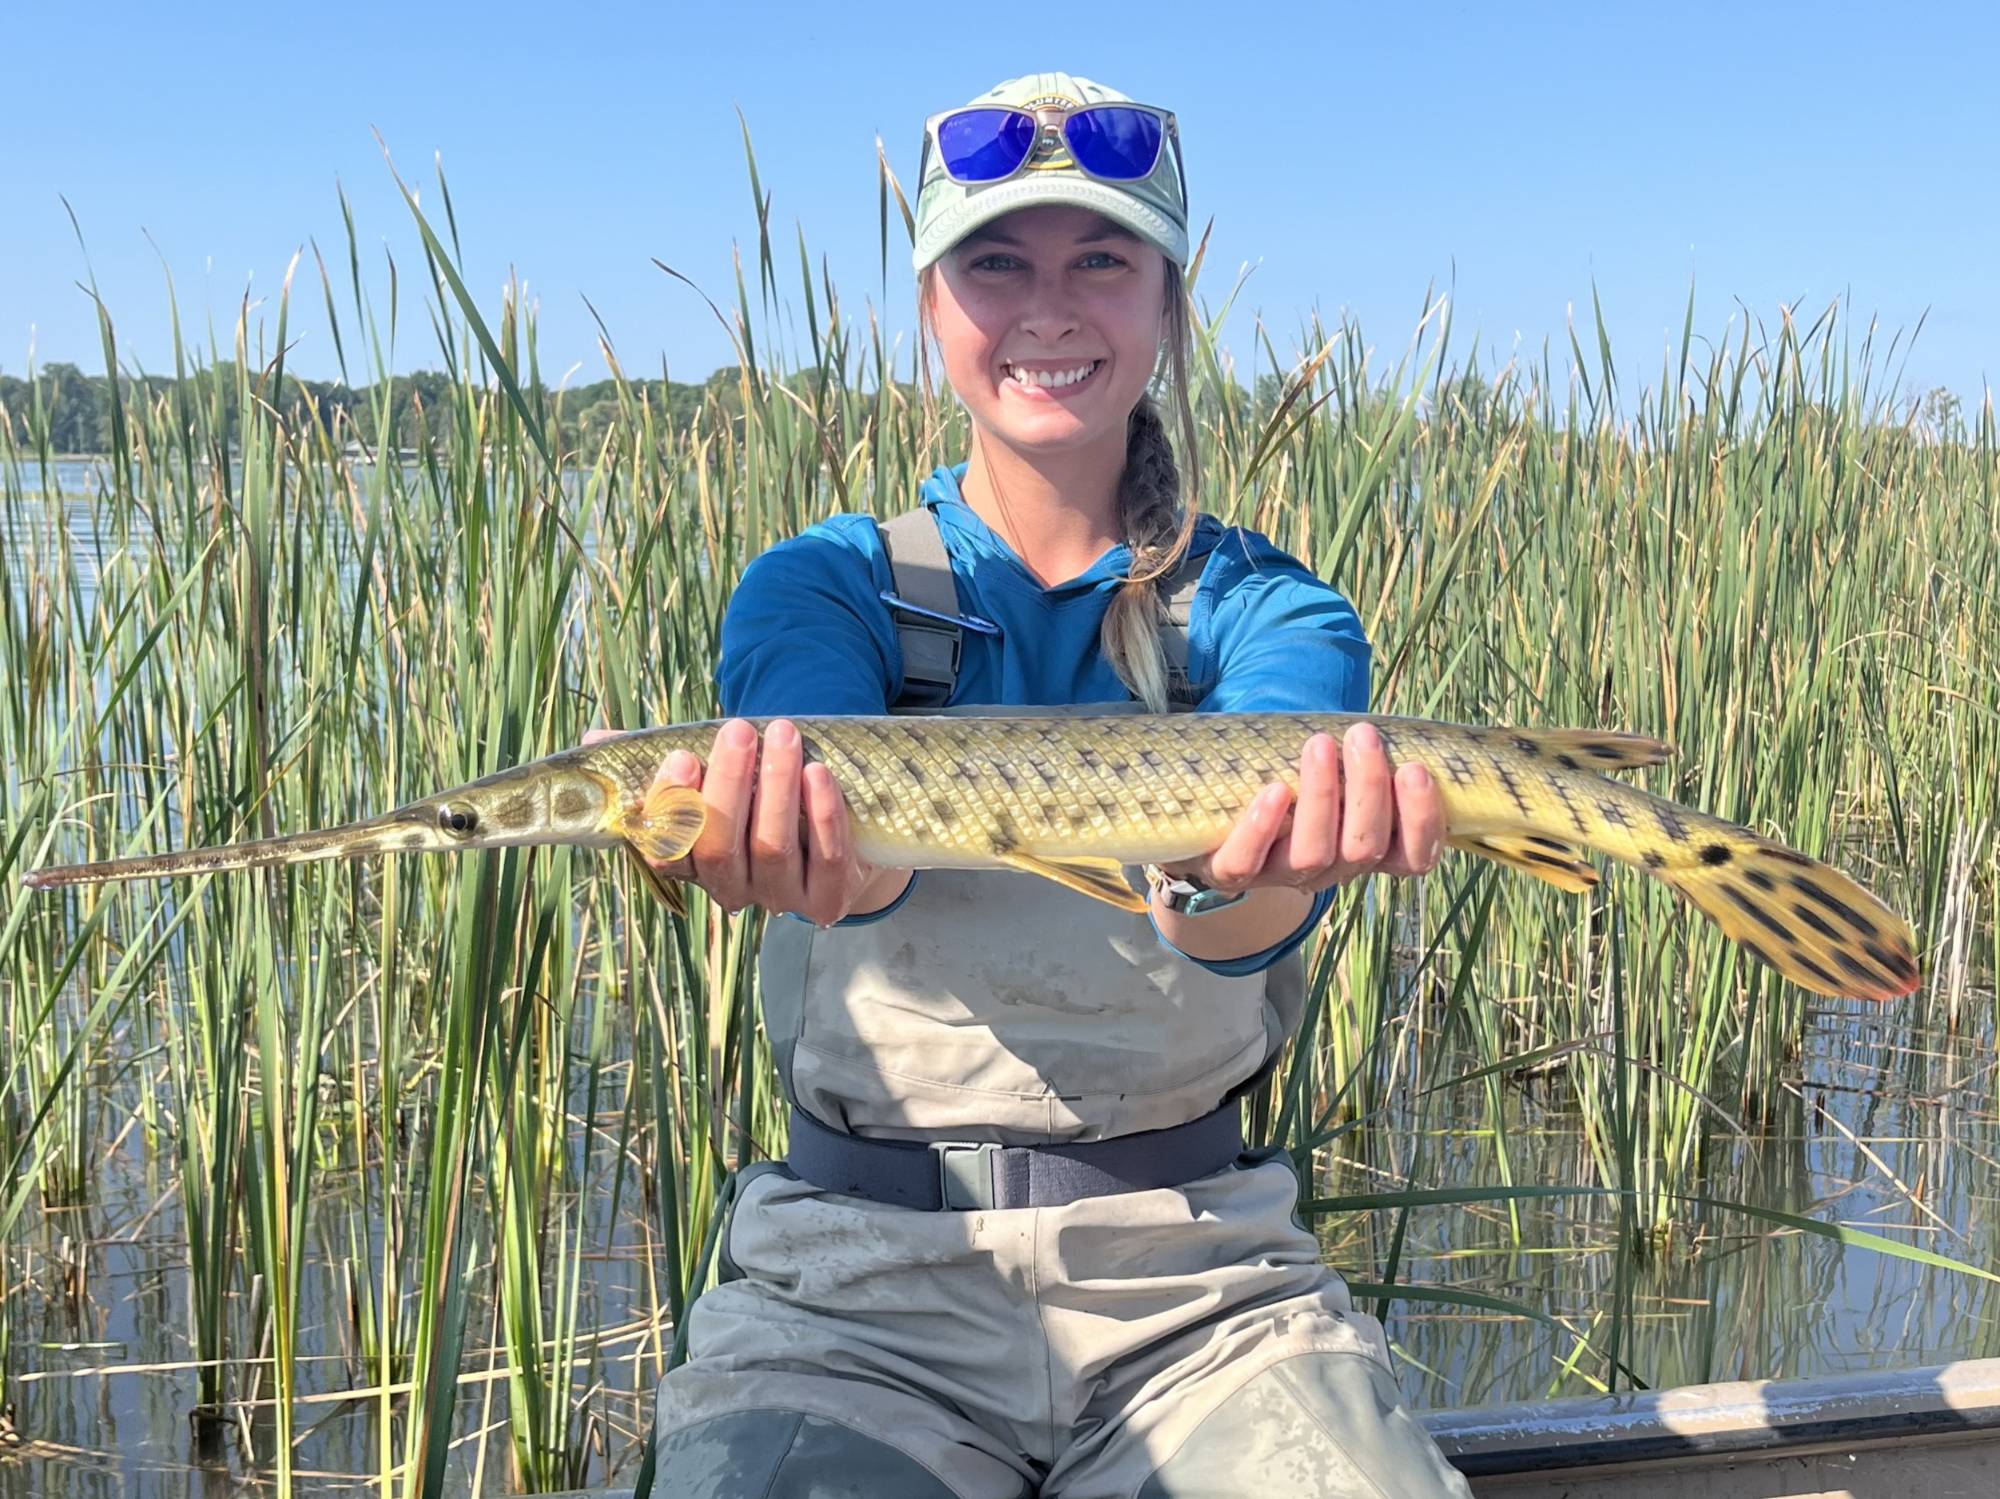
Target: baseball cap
point(1151, 207)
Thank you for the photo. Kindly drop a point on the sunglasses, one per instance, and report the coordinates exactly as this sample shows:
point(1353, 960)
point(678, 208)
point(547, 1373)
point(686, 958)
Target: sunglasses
point(1113, 142)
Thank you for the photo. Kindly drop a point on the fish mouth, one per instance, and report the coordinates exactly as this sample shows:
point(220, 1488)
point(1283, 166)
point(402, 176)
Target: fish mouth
point(406, 829)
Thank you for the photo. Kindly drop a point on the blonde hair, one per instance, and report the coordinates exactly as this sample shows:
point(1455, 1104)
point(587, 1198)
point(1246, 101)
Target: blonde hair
point(1158, 499)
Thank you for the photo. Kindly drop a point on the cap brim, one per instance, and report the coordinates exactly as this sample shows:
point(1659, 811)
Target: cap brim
point(983, 205)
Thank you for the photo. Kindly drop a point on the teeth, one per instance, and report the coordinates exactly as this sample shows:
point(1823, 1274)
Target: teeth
point(1051, 379)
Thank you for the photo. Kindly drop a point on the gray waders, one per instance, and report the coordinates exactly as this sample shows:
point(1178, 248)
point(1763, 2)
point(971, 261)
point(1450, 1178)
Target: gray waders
point(1018, 1248)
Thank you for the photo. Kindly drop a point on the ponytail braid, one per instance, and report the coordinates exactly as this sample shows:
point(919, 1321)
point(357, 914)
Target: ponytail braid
point(1156, 518)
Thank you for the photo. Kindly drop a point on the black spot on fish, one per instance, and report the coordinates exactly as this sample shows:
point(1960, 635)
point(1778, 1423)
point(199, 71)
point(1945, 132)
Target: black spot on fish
point(1457, 767)
point(1672, 824)
point(1606, 751)
point(1856, 968)
point(1759, 915)
point(883, 804)
point(1817, 922)
point(1760, 879)
point(1714, 853)
point(1148, 807)
point(1151, 758)
point(1834, 904)
point(1759, 954)
point(1089, 757)
point(1527, 746)
point(1655, 859)
point(414, 840)
point(1549, 843)
point(570, 802)
point(1513, 787)
point(1614, 814)
point(1006, 773)
point(915, 770)
point(1815, 970)
point(1567, 762)
point(1779, 851)
point(1551, 860)
point(943, 810)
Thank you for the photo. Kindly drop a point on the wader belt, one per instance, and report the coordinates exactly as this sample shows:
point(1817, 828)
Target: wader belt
point(960, 1175)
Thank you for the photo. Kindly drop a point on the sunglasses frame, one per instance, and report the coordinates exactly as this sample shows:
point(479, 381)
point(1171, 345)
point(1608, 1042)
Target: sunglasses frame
point(1055, 117)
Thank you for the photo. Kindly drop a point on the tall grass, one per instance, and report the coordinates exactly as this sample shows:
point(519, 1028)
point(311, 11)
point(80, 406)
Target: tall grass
point(1762, 558)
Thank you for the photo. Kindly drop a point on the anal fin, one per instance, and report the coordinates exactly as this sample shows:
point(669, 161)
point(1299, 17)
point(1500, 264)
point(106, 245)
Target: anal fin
point(1101, 879)
point(1560, 864)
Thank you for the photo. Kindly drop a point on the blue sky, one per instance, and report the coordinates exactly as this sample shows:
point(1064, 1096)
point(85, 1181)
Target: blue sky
point(1770, 155)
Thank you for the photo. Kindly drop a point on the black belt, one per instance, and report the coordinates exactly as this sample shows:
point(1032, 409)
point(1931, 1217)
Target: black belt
point(968, 1174)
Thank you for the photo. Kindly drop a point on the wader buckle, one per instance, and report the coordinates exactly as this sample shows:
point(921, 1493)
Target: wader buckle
point(965, 1173)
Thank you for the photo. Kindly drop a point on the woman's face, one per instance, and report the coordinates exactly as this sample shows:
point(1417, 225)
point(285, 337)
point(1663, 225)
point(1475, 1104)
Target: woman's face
point(1041, 296)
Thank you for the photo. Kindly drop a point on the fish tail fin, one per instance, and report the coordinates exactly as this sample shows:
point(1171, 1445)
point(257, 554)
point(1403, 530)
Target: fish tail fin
point(1809, 921)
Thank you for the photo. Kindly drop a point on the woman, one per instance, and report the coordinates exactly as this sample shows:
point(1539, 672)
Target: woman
point(1017, 1247)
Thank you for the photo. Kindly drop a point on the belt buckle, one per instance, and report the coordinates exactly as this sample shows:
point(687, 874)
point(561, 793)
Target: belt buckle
point(964, 1185)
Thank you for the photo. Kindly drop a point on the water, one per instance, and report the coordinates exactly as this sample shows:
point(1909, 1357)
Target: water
point(1887, 1126)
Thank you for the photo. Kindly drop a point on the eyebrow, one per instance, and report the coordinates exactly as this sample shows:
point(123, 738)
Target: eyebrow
point(1095, 236)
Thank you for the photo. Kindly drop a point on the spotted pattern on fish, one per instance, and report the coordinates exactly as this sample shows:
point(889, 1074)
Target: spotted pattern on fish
point(955, 791)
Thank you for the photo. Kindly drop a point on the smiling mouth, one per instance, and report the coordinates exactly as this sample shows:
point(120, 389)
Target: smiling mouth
point(1052, 379)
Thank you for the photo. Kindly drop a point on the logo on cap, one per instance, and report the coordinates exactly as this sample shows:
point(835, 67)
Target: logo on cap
point(1051, 152)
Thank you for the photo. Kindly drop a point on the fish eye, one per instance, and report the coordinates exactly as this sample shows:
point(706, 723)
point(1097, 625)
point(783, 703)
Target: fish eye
point(456, 819)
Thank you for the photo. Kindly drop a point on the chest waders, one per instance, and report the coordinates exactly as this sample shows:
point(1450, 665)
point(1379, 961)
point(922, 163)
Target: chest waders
point(1017, 1249)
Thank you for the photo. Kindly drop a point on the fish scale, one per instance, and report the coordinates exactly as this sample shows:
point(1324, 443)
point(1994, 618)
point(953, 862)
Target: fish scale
point(1082, 799)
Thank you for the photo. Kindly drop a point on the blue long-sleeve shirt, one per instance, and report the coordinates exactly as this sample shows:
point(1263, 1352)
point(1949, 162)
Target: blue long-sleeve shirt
point(806, 632)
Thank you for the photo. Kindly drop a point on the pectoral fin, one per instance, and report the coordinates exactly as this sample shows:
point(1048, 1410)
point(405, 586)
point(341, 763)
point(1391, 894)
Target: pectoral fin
point(1101, 879)
point(665, 825)
point(1544, 858)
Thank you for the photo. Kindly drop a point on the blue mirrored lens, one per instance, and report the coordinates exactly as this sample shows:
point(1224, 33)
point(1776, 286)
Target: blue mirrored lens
point(1109, 140)
point(984, 145)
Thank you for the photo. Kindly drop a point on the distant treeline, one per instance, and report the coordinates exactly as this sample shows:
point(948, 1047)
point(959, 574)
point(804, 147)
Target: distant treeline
point(78, 406)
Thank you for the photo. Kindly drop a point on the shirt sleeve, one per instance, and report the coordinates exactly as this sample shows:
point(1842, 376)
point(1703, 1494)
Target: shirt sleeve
point(805, 633)
point(1273, 637)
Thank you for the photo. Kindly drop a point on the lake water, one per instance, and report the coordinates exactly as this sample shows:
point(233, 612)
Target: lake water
point(1886, 1125)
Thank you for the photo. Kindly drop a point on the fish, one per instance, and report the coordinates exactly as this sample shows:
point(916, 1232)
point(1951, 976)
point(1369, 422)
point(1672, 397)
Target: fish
point(1084, 800)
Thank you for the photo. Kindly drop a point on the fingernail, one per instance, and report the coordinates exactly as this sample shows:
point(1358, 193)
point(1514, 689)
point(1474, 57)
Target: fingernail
point(782, 734)
point(682, 765)
point(737, 734)
point(1363, 737)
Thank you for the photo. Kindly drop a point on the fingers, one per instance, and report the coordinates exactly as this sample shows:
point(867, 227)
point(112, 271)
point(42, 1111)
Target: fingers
point(721, 854)
point(1364, 831)
point(1240, 861)
point(1419, 844)
point(777, 862)
point(831, 877)
point(1356, 816)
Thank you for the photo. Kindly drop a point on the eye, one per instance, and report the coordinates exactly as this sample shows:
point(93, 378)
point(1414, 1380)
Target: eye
point(457, 819)
point(1104, 255)
point(986, 262)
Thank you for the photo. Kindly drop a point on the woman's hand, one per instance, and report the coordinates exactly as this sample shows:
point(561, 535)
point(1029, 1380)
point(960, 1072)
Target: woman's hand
point(777, 834)
point(1352, 819)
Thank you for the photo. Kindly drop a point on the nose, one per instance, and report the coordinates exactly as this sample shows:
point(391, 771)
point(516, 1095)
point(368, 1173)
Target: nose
point(1048, 311)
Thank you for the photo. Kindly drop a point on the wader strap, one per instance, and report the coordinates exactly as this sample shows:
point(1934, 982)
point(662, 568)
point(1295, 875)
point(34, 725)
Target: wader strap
point(933, 647)
point(922, 571)
point(964, 1175)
